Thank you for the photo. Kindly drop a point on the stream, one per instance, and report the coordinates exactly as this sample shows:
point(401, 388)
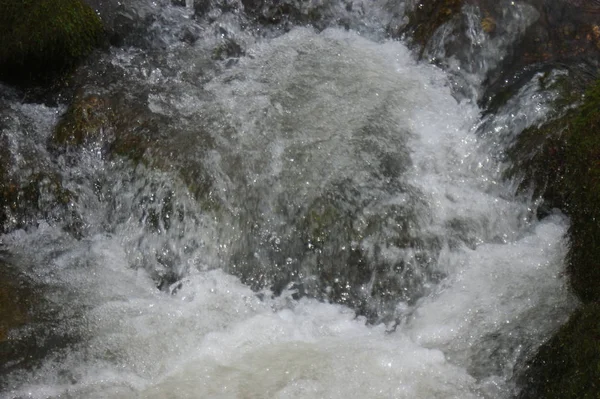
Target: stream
point(317, 214)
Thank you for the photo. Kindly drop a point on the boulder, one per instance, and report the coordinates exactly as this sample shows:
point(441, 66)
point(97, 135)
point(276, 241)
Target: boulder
point(568, 365)
point(40, 39)
point(560, 161)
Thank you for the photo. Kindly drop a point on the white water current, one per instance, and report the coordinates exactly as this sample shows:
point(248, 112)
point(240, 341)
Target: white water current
point(478, 282)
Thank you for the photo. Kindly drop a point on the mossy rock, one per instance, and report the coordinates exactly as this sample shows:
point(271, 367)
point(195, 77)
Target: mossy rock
point(41, 39)
point(118, 126)
point(560, 161)
point(568, 365)
point(583, 182)
point(23, 200)
point(85, 122)
point(106, 122)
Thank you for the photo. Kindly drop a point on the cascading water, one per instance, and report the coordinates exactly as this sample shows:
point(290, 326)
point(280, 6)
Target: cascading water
point(327, 220)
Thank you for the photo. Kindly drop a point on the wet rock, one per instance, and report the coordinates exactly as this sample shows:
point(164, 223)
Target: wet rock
point(559, 161)
point(283, 12)
point(566, 33)
point(568, 365)
point(565, 30)
point(16, 301)
point(533, 36)
point(282, 15)
point(425, 17)
point(41, 39)
point(24, 197)
point(125, 23)
point(228, 49)
point(105, 123)
point(117, 125)
point(31, 326)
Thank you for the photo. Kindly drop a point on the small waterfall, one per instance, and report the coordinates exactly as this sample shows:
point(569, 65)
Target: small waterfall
point(276, 212)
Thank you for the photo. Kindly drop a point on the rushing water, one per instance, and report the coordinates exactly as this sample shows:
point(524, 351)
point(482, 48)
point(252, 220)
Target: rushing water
point(353, 236)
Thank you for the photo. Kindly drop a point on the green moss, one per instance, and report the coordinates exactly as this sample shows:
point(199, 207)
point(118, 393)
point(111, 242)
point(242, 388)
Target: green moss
point(42, 38)
point(568, 366)
point(582, 182)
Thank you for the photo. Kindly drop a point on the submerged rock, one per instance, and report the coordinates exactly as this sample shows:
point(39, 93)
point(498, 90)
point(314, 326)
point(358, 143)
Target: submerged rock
point(122, 125)
point(31, 325)
point(40, 39)
point(29, 189)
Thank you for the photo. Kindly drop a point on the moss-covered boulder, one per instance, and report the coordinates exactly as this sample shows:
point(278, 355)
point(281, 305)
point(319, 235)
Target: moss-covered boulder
point(25, 197)
point(109, 123)
point(560, 161)
point(40, 39)
point(568, 366)
point(117, 125)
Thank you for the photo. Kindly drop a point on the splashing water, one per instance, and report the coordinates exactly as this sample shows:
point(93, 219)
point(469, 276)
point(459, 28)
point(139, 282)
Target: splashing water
point(349, 181)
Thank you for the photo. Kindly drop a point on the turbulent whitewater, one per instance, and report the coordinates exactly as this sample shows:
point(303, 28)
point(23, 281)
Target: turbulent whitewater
point(356, 239)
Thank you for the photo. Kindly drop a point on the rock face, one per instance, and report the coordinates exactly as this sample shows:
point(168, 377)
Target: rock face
point(42, 38)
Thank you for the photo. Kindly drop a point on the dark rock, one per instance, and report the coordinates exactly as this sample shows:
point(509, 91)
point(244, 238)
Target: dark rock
point(568, 365)
point(31, 326)
point(16, 301)
point(111, 124)
point(26, 197)
point(563, 167)
point(560, 162)
point(561, 33)
point(125, 23)
point(228, 49)
point(426, 17)
point(566, 34)
point(41, 39)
